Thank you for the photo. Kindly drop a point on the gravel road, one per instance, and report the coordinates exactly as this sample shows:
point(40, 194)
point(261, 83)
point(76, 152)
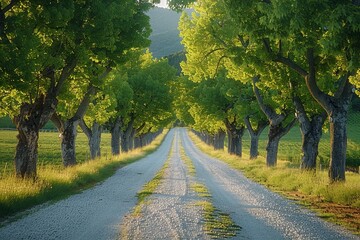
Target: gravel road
point(171, 212)
point(95, 213)
point(104, 211)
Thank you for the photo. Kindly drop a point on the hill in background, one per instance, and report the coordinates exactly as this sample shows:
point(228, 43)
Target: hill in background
point(164, 38)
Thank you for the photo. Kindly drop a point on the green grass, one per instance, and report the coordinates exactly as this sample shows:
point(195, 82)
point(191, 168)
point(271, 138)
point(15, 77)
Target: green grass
point(56, 182)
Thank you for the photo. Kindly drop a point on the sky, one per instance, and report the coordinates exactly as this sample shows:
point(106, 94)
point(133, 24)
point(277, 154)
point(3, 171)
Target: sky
point(162, 4)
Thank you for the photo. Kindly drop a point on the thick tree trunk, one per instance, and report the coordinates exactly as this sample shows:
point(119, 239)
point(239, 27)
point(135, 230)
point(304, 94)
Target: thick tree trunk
point(31, 119)
point(311, 132)
point(272, 150)
point(68, 137)
point(338, 144)
point(115, 137)
point(276, 132)
point(336, 106)
point(310, 142)
point(26, 152)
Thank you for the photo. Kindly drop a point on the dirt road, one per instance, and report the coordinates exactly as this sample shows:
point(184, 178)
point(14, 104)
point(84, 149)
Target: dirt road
point(104, 212)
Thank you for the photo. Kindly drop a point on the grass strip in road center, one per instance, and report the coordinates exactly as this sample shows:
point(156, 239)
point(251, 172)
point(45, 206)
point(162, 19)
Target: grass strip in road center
point(217, 225)
point(149, 188)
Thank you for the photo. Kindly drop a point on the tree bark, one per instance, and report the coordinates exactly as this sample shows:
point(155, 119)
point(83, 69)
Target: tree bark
point(311, 132)
point(338, 142)
point(115, 136)
point(254, 135)
point(68, 137)
point(94, 138)
point(31, 119)
point(125, 137)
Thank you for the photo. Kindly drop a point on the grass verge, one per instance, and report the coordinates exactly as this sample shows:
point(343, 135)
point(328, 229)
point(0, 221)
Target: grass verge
point(56, 183)
point(339, 203)
point(217, 225)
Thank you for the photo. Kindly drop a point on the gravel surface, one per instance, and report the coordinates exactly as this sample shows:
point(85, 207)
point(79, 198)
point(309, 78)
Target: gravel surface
point(95, 213)
point(261, 213)
point(171, 212)
point(99, 212)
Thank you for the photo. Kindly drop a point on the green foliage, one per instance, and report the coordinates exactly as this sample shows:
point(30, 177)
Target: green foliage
point(149, 80)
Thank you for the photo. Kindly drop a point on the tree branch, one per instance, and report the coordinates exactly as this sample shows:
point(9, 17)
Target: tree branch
point(80, 112)
point(310, 79)
point(58, 122)
point(274, 118)
point(85, 128)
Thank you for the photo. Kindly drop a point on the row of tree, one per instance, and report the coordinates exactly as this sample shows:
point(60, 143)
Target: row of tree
point(80, 63)
point(300, 58)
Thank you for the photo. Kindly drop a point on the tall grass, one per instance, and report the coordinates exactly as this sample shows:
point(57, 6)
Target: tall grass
point(55, 182)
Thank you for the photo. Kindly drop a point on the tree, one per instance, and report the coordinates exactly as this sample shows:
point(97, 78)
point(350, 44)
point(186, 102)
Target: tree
point(44, 42)
point(325, 54)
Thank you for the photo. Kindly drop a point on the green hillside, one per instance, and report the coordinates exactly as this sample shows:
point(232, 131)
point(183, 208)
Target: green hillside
point(164, 38)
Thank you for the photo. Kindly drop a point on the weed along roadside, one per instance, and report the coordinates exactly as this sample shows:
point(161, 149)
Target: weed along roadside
point(338, 203)
point(55, 183)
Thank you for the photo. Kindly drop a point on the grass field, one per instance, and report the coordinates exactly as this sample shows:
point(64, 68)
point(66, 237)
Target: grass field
point(54, 181)
point(290, 145)
point(49, 150)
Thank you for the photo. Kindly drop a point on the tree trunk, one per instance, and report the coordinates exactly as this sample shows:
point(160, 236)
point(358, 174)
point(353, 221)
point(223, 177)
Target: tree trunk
point(26, 151)
point(310, 142)
point(311, 132)
point(235, 134)
point(125, 137)
point(137, 142)
point(276, 132)
point(254, 135)
point(272, 151)
point(95, 140)
point(31, 119)
point(219, 138)
point(336, 106)
point(68, 137)
point(115, 137)
point(338, 143)
point(254, 146)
